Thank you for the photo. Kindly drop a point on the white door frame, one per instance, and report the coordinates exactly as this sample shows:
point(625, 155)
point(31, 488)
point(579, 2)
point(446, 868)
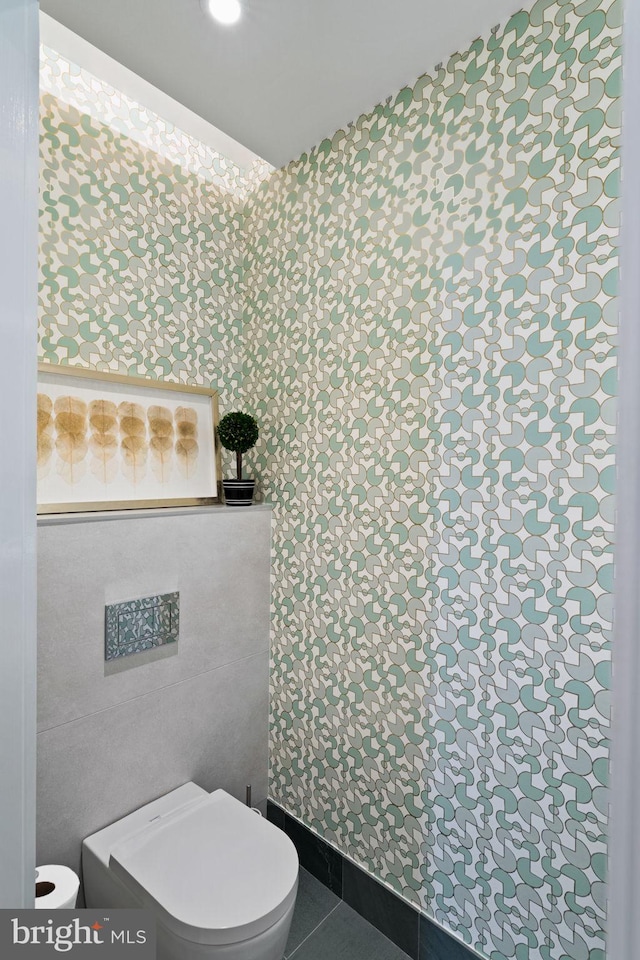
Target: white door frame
point(624, 872)
point(18, 305)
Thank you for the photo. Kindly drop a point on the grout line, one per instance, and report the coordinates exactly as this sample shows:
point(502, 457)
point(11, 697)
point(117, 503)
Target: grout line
point(316, 928)
point(155, 691)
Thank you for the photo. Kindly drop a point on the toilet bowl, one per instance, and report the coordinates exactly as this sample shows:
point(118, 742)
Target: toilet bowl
point(220, 880)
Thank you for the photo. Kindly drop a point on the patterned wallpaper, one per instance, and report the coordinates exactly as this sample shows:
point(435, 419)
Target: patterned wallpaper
point(140, 259)
point(112, 108)
point(422, 312)
point(430, 320)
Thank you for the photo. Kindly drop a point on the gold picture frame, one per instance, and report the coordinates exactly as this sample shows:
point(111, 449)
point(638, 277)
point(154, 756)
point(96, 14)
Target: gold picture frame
point(103, 435)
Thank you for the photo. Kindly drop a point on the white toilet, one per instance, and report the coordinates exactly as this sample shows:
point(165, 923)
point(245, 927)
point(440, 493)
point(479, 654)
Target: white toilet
point(221, 880)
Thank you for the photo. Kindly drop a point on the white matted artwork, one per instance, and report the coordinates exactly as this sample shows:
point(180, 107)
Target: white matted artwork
point(112, 442)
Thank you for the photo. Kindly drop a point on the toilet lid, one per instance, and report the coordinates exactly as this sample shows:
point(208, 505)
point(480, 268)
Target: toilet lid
point(214, 872)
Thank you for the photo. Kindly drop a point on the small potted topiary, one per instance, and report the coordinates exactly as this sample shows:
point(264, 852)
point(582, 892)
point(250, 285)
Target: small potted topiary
point(238, 432)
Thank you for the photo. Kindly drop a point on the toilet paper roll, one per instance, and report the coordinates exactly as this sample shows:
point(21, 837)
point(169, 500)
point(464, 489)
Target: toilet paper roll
point(56, 887)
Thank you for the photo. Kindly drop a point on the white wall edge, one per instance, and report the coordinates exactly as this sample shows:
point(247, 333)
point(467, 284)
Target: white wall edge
point(220, 509)
point(624, 863)
point(82, 53)
point(18, 279)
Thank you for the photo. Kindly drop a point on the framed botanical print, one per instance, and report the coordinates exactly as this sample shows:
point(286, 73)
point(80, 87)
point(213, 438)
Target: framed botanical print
point(113, 442)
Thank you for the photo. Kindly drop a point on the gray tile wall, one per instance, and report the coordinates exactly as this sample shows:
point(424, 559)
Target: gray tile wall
point(113, 736)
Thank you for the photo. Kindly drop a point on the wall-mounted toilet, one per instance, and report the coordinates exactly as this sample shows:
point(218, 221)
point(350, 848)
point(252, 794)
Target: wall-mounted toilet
point(221, 880)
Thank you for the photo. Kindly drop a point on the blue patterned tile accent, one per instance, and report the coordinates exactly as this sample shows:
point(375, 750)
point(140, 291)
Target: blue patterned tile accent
point(136, 625)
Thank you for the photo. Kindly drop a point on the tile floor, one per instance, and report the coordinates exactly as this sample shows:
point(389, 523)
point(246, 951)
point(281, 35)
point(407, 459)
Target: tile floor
point(325, 928)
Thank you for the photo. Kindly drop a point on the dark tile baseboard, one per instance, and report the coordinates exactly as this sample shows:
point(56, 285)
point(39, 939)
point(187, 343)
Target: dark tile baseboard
point(316, 856)
point(276, 814)
point(436, 944)
point(405, 926)
point(376, 903)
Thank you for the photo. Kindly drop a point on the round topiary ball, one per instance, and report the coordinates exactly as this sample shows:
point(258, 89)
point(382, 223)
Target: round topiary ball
point(238, 432)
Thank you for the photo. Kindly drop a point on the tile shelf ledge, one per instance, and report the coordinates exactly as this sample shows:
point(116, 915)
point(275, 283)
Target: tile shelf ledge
point(99, 516)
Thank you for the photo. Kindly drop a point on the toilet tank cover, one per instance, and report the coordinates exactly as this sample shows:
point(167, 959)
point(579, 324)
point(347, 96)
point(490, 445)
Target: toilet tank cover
point(214, 872)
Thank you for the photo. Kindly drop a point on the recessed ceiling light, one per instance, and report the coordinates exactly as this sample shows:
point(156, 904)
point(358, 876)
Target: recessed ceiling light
point(224, 11)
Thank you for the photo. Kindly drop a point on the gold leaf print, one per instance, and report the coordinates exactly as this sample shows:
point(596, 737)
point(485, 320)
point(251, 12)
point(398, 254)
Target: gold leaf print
point(45, 406)
point(134, 456)
point(103, 416)
point(133, 441)
point(161, 441)
point(186, 422)
point(103, 443)
point(187, 448)
point(132, 420)
point(45, 433)
point(71, 437)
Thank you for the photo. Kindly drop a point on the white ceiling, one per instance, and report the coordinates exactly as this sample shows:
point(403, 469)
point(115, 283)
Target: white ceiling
point(290, 72)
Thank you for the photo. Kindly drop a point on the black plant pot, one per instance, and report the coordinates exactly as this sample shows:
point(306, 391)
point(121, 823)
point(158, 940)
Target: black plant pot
point(238, 493)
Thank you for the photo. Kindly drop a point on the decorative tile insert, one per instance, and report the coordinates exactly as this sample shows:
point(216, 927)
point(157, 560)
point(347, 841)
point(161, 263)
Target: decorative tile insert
point(136, 625)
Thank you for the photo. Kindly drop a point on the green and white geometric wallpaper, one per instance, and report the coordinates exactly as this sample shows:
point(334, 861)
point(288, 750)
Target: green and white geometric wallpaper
point(95, 97)
point(140, 259)
point(431, 314)
point(422, 314)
